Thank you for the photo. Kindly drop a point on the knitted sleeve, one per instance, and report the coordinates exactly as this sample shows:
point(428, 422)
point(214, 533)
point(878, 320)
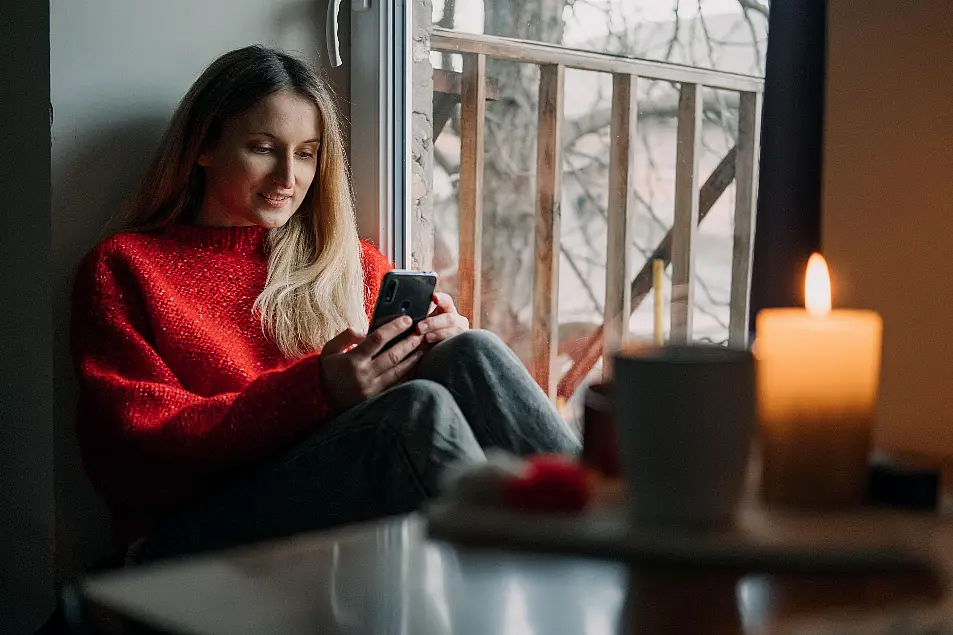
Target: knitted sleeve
point(135, 418)
point(375, 266)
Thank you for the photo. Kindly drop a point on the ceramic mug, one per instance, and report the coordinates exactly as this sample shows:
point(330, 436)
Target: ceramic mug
point(686, 418)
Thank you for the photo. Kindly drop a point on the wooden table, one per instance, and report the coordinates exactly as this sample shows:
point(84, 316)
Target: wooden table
point(388, 577)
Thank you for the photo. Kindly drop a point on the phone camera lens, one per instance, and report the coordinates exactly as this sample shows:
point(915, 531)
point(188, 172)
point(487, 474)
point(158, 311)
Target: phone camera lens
point(391, 291)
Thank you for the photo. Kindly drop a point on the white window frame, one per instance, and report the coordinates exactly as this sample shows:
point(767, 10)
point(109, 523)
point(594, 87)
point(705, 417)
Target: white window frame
point(381, 123)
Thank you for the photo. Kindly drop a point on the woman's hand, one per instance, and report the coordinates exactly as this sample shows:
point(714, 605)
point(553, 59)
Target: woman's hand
point(353, 370)
point(443, 322)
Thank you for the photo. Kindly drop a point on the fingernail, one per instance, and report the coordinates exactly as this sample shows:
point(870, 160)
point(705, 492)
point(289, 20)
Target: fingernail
point(406, 321)
point(422, 327)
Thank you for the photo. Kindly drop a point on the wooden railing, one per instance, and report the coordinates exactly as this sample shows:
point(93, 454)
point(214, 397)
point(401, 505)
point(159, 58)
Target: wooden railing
point(624, 293)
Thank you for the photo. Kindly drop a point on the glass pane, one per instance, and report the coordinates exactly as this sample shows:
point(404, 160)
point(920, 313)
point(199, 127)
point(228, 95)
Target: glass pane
point(654, 191)
point(715, 238)
point(721, 35)
point(509, 186)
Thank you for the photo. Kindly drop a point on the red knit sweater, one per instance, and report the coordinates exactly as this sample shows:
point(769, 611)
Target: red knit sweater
point(180, 388)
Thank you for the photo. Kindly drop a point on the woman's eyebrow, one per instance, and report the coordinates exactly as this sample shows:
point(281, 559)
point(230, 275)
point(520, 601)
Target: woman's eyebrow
point(268, 134)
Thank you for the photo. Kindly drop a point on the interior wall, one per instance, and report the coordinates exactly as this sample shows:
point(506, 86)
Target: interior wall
point(117, 71)
point(888, 201)
point(26, 434)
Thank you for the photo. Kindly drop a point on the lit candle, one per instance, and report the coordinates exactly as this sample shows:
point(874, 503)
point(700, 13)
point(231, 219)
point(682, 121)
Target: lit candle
point(818, 376)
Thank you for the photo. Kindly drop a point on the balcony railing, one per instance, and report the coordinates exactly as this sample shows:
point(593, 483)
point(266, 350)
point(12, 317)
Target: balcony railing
point(693, 200)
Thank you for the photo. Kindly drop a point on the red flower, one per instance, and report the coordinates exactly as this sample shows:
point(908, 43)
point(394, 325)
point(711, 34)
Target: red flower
point(549, 483)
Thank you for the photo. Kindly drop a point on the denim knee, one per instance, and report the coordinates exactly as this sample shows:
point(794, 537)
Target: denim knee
point(419, 391)
point(423, 404)
point(474, 340)
point(425, 423)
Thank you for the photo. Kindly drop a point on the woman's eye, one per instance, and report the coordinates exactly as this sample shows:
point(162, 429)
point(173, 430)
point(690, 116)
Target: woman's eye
point(306, 155)
point(261, 149)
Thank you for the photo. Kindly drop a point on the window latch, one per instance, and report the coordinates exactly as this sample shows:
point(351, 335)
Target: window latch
point(331, 34)
point(331, 27)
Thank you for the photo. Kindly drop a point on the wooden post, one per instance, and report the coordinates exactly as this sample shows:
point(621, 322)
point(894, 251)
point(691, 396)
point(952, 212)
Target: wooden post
point(472, 120)
point(746, 204)
point(622, 134)
point(686, 211)
point(548, 186)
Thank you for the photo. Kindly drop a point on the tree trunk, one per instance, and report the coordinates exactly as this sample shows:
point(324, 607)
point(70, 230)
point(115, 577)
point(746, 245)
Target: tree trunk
point(509, 185)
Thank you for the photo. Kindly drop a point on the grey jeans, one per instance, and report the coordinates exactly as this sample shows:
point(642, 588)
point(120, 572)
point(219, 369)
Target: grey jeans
point(383, 456)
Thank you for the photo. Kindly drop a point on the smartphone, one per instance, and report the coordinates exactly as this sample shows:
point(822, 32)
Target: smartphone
point(403, 292)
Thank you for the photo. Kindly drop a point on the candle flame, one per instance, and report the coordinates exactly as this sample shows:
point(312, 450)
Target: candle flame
point(817, 286)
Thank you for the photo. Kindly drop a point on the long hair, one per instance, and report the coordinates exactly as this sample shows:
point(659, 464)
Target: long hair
point(314, 287)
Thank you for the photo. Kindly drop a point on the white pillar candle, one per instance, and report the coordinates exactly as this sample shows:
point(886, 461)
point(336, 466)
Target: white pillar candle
point(818, 376)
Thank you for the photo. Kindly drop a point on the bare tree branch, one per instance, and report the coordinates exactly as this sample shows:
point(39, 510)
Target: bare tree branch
point(593, 121)
point(754, 5)
point(447, 21)
point(582, 278)
point(754, 41)
point(674, 40)
point(449, 13)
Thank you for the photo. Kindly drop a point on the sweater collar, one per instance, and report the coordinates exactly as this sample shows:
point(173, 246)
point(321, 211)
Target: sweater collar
point(225, 238)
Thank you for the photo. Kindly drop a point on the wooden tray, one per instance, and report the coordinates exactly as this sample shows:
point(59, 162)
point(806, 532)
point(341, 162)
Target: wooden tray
point(763, 541)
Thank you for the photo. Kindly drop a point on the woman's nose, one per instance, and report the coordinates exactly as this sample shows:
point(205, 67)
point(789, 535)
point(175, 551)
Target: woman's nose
point(284, 175)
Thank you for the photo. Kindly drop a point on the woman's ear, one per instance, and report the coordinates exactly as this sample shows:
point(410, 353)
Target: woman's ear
point(204, 159)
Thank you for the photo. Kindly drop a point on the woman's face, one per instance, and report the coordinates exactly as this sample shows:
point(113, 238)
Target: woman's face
point(262, 166)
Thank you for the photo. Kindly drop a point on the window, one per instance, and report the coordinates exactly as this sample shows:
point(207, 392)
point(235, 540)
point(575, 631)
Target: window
point(722, 42)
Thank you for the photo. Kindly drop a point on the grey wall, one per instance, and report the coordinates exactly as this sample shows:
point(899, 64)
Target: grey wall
point(888, 203)
point(113, 72)
point(26, 438)
point(117, 70)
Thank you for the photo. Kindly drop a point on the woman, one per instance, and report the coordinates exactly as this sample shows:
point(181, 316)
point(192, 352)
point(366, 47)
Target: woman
point(228, 390)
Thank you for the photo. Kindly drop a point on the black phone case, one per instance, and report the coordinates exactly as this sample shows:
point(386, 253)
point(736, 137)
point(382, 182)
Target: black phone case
point(403, 293)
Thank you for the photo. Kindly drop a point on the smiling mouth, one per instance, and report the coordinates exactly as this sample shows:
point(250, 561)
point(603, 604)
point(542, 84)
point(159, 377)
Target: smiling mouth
point(274, 198)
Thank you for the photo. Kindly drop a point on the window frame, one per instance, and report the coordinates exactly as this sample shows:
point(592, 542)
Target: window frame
point(381, 120)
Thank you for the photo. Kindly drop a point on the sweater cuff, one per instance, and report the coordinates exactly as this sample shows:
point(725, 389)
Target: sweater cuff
point(307, 401)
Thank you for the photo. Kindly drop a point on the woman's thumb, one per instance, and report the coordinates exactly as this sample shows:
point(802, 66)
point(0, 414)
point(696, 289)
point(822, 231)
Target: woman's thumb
point(343, 342)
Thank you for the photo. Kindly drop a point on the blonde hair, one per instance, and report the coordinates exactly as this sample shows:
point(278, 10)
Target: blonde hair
point(315, 283)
